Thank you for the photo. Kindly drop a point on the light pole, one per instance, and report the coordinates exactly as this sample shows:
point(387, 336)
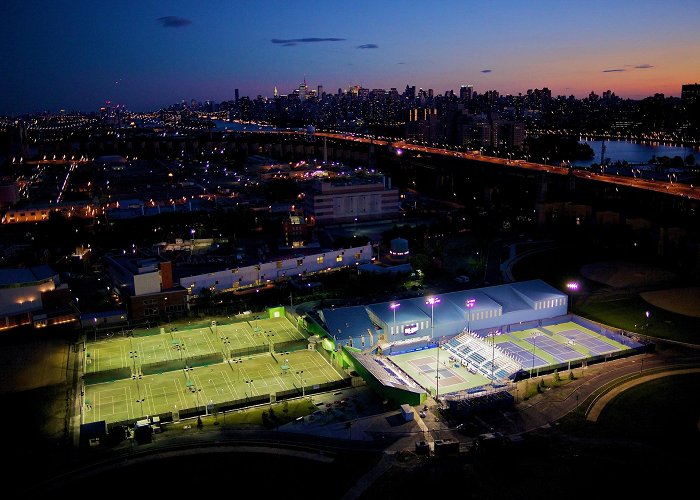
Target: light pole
point(192, 242)
point(394, 306)
point(493, 354)
point(470, 305)
point(534, 342)
point(572, 286)
point(432, 301)
point(301, 380)
point(647, 314)
point(250, 387)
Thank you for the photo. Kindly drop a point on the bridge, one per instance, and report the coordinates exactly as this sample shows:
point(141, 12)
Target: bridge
point(670, 188)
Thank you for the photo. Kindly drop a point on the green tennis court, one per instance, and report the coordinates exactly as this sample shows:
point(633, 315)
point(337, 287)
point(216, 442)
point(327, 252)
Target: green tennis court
point(195, 388)
point(130, 353)
point(423, 367)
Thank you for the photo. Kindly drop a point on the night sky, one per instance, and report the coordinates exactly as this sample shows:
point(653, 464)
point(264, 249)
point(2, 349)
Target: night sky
point(75, 55)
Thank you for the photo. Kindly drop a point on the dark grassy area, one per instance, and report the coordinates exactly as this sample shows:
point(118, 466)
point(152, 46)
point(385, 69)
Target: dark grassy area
point(644, 444)
point(665, 412)
point(623, 309)
point(629, 313)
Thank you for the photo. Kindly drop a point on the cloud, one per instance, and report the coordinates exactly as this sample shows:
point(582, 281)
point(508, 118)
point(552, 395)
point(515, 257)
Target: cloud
point(294, 41)
point(368, 46)
point(612, 70)
point(401, 62)
point(486, 70)
point(643, 66)
point(173, 21)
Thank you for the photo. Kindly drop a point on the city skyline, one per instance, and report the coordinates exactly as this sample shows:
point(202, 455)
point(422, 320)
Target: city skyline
point(147, 56)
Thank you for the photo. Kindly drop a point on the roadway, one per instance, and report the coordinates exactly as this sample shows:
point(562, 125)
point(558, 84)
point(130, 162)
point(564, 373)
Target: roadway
point(670, 188)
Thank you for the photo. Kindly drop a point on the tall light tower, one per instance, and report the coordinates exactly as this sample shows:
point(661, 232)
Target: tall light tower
point(394, 306)
point(432, 301)
point(470, 305)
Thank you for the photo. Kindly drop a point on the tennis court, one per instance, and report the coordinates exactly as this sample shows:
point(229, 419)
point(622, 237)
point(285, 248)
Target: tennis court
point(133, 352)
point(559, 352)
point(593, 344)
point(422, 366)
point(195, 388)
point(525, 357)
point(593, 341)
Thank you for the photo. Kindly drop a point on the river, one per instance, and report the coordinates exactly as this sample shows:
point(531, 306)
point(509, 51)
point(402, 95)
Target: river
point(634, 152)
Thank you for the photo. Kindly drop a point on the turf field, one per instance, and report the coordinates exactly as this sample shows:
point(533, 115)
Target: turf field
point(198, 387)
point(181, 343)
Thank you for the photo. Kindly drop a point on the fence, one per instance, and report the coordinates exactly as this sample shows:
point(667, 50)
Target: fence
point(106, 376)
point(199, 410)
point(290, 345)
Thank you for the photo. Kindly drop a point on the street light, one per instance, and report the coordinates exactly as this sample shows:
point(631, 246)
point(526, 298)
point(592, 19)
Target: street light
point(394, 306)
point(432, 301)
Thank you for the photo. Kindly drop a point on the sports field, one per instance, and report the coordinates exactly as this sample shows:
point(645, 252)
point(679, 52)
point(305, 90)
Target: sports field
point(529, 349)
point(173, 344)
point(422, 366)
point(195, 388)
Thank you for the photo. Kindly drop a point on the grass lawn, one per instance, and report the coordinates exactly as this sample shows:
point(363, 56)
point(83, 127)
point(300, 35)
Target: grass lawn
point(630, 314)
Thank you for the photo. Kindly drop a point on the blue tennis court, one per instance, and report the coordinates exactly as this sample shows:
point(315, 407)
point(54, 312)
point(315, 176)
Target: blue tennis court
point(593, 344)
point(558, 351)
point(526, 358)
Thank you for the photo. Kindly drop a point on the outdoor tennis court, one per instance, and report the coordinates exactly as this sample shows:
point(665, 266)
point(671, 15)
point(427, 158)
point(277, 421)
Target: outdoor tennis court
point(184, 344)
point(593, 341)
point(523, 356)
point(422, 366)
point(593, 344)
point(559, 352)
point(198, 387)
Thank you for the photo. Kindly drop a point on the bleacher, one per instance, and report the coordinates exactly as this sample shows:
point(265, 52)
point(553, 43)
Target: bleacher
point(478, 355)
point(385, 371)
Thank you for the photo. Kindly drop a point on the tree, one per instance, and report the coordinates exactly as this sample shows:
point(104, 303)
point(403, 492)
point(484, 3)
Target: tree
point(690, 160)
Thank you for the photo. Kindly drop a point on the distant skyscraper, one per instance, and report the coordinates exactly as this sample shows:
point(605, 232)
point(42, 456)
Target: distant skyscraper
point(690, 94)
point(235, 93)
point(320, 90)
point(465, 92)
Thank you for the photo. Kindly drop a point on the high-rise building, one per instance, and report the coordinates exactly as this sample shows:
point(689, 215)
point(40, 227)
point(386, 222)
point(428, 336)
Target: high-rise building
point(690, 94)
point(465, 92)
point(235, 93)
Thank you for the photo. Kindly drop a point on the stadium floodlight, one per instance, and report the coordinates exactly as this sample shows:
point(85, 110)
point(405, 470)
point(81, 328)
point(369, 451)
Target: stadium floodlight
point(572, 285)
point(432, 301)
point(470, 305)
point(394, 306)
